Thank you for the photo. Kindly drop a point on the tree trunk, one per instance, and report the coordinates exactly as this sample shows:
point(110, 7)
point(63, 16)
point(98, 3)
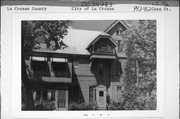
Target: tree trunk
point(29, 104)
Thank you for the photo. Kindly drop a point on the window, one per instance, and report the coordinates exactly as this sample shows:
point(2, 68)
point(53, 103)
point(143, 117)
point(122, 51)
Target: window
point(119, 31)
point(47, 94)
point(50, 95)
point(40, 68)
point(59, 66)
point(101, 93)
point(103, 48)
point(91, 94)
point(39, 65)
point(36, 94)
point(60, 69)
point(101, 69)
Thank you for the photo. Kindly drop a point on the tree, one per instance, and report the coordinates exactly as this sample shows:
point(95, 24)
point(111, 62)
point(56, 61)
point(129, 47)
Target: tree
point(139, 43)
point(48, 31)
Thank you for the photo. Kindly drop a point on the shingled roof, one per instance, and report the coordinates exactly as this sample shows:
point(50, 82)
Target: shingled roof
point(81, 39)
point(78, 40)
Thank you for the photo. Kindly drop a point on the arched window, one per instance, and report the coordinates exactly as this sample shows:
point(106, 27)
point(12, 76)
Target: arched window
point(103, 48)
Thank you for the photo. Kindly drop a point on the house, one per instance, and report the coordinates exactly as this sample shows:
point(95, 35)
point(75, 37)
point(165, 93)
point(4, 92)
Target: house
point(89, 69)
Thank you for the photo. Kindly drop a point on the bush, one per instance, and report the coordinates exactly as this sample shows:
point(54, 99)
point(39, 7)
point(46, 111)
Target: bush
point(115, 106)
point(140, 103)
point(44, 105)
point(83, 106)
point(151, 104)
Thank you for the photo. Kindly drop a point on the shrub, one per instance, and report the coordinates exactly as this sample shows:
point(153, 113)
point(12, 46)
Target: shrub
point(73, 106)
point(115, 106)
point(151, 104)
point(83, 106)
point(140, 103)
point(44, 105)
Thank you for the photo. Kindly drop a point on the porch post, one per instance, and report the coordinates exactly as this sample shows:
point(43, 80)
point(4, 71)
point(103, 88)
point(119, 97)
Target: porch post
point(41, 94)
point(66, 99)
point(56, 99)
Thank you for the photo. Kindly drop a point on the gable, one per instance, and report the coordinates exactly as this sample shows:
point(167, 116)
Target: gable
point(103, 44)
point(115, 26)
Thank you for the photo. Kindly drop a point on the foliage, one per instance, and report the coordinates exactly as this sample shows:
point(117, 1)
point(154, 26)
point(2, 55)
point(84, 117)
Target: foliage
point(83, 106)
point(140, 41)
point(44, 105)
point(140, 46)
point(115, 106)
point(32, 31)
point(45, 30)
point(140, 103)
point(136, 99)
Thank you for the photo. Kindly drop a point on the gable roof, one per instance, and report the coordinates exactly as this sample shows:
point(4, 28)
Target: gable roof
point(102, 26)
point(92, 24)
point(78, 40)
point(81, 39)
point(114, 24)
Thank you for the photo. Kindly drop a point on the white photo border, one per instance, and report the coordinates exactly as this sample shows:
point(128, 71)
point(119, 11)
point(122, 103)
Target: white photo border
point(16, 81)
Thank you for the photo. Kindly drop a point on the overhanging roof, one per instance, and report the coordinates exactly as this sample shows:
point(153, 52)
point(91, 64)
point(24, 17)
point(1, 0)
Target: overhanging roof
point(50, 53)
point(102, 35)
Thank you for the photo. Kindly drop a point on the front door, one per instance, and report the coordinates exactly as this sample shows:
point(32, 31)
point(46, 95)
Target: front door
point(101, 96)
point(62, 99)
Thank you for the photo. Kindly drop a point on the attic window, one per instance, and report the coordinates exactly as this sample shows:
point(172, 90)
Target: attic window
point(119, 31)
point(103, 48)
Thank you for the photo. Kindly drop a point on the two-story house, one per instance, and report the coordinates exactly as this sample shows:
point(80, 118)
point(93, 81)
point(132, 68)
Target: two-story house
point(87, 70)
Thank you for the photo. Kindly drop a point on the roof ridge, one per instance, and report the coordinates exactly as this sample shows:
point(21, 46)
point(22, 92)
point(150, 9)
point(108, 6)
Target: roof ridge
point(85, 30)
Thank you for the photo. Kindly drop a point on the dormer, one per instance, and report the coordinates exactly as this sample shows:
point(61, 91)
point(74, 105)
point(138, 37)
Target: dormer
point(103, 44)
